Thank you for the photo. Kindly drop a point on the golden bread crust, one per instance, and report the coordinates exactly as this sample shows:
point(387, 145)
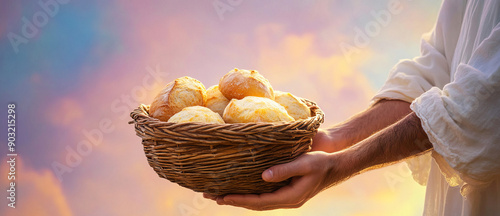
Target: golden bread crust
point(216, 101)
point(196, 114)
point(178, 94)
point(255, 109)
point(238, 84)
point(293, 105)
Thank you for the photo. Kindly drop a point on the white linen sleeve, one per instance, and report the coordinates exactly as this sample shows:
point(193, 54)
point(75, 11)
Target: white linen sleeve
point(462, 120)
point(408, 79)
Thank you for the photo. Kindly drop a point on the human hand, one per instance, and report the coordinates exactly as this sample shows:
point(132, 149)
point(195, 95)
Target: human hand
point(328, 140)
point(311, 173)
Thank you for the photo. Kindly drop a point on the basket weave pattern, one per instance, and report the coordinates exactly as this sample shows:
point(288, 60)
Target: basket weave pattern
point(223, 158)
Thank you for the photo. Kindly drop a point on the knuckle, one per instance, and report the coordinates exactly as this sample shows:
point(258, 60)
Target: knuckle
point(280, 172)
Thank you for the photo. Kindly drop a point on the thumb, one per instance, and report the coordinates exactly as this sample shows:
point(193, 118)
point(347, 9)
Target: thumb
point(285, 171)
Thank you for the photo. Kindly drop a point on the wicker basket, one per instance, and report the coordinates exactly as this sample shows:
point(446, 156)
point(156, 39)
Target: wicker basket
point(223, 158)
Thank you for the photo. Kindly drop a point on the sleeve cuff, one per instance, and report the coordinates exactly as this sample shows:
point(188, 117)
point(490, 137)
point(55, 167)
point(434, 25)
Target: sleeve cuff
point(440, 128)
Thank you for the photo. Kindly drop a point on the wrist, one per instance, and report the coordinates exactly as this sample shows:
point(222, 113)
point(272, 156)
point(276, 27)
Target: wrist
point(339, 137)
point(328, 140)
point(357, 157)
point(342, 165)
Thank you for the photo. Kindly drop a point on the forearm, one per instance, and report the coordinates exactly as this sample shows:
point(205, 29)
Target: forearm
point(364, 124)
point(404, 139)
point(316, 171)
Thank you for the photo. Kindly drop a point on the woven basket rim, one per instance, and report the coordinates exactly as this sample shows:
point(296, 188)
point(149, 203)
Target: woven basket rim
point(143, 112)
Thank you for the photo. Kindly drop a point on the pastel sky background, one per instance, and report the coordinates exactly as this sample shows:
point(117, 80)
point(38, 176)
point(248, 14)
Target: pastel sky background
point(93, 61)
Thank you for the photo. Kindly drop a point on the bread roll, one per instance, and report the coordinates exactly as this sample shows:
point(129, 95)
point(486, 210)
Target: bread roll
point(238, 84)
point(215, 100)
point(178, 94)
point(196, 114)
point(294, 106)
point(255, 109)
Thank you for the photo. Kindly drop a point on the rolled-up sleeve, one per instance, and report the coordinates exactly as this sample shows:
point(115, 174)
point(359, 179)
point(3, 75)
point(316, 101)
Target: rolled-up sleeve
point(410, 78)
point(462, 120)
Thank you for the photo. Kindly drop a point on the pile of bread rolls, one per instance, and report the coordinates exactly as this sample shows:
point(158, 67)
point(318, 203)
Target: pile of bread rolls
point(242, 96)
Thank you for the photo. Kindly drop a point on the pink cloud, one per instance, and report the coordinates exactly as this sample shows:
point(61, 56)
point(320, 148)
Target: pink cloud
point(37, 192)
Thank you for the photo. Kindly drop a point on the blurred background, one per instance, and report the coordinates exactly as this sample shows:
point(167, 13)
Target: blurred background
point(75, 70)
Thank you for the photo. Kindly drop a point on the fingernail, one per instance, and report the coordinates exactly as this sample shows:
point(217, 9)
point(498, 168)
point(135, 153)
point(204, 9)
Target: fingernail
point(267, 175)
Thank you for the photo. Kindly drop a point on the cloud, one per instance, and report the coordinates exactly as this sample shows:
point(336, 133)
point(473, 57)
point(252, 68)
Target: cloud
point(295, 48)
point(37, 192)
point(64, 111)
point(292, 63)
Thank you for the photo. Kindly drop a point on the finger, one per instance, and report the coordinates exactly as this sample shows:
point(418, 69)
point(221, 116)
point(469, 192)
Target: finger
point(252, 201)
point(209, 196)
point(286, 197)
point(298, 167)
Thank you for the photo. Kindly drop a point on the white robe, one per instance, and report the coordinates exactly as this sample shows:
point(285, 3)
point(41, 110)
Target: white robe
point(454, 88)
